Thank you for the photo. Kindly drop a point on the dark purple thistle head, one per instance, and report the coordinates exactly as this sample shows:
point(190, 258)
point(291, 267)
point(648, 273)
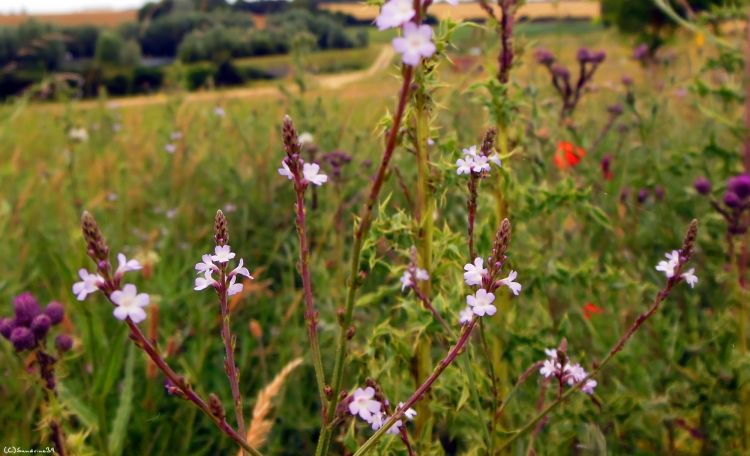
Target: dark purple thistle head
point(583, 55)
point(40, 325)
point(64, 343)
point(544, 57)
point(702, 186)
point(624, 194)
point(6, 327)
point(55, 311)
point(560, 71)
point(598, 57)
point(732, 200)
point(627, 81)
point(659, 192)
point(26, 307)
point(615, 109)
point(740, 185)
point(22, 338)
point(642, 195)
point(640, 52)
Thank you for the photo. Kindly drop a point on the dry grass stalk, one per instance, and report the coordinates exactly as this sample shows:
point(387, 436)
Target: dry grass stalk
point(261, 424)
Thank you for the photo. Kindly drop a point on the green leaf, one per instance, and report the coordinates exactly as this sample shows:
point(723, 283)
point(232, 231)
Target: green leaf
point(122, 416)
point(74, 404)
point(106, 379)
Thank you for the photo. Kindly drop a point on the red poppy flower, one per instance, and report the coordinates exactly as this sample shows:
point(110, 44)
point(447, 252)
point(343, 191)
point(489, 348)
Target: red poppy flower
point(568, 155)
point(590, 308)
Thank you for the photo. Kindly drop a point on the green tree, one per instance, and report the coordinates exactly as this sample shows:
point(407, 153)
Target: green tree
point(108, 48)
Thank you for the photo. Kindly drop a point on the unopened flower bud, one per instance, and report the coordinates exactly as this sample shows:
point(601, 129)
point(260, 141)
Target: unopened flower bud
point(22, 338)
point(64, 343)
point(350, 332)
point(217, 409)
point(702, 186)
point(55, 311)
point(40, 325)
point(642, 195)
point(221, 229)
point(328, 391)
point(7, 325)
point(96, 246)
point(732, 200)
point(26, 308)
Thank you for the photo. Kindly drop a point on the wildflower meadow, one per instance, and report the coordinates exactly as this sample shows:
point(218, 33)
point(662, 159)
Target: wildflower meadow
point(499, 237)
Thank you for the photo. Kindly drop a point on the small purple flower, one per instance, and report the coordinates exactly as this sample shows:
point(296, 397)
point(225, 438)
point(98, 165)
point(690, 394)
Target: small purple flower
point(55, 311)
point(560, 71)
point(732, 200)
point(624, 195)
point(615, 109)
point(7, 325)
point(627, 81)
point(640, 52)
point(740, 185)
point(583, 55)
point(40, 325)
point(64, 343)
point(22, 338)
point(598, 57)
point(642, 195)
point(659, 192)
point(26, 307)
point(702, 186)
point(544, 57)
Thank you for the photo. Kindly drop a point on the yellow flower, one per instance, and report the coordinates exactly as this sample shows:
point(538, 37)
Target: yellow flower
point(700, 40)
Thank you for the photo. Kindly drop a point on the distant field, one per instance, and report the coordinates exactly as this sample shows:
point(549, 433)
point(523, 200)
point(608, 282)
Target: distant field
point(560, 10)
point(102, 18)
point(465, 11)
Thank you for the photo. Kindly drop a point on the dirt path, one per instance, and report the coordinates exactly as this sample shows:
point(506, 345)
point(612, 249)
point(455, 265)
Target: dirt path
point(330, 82)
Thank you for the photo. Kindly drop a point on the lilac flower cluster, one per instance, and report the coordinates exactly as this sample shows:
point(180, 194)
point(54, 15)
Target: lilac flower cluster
point(487, 278)
point(736, 201)
point(364, 404)
point(477, 162)
point(30, 324)
point(217, 263)
point(571, 93)
point(128, 302)
point(670, 267)
point(416, 40)
point(557, 365)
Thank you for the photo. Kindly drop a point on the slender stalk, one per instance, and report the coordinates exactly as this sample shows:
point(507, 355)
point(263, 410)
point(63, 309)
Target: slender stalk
point(362, 230)
point(229, 342)
point(428, 305)
point(311, 316)
point(660, 297)
point(58, 438)
point(747, 103)
point(472, 212)
point(422, 390)
point(179, 382)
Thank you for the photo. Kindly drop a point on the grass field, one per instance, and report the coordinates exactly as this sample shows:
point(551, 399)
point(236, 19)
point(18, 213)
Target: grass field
point(580, 239)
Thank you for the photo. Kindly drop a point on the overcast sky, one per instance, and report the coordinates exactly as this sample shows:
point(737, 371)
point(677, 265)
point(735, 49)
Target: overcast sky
point(60, 6)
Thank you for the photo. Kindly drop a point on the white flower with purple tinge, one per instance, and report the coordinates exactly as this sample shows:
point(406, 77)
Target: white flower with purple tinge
point(589, 386)
point(78, 134)
point(668, 266)
point(495, 158)
point(471, 151)
point(407, 280)
point(550, 368)
point(395, 429)
point(207, 265)
point(240, 270)
point(464, 165)
point(363, 404)
point(170, 148)
point(201, 283)
point(311, 173)
point(234, 287)
point(465, 316)
point(89, 284)
point(415, 43)
point(481, 303)
point(219, 111)
point(409, 414)
point(395, 13)
point(574, 373)
point(130, 303)
point(481, 164)
point(376, 420)
point(474, 272)
point(690, 277)
point(510, 282)
point(285, 171)
point(124, 265)
point(222, 254)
